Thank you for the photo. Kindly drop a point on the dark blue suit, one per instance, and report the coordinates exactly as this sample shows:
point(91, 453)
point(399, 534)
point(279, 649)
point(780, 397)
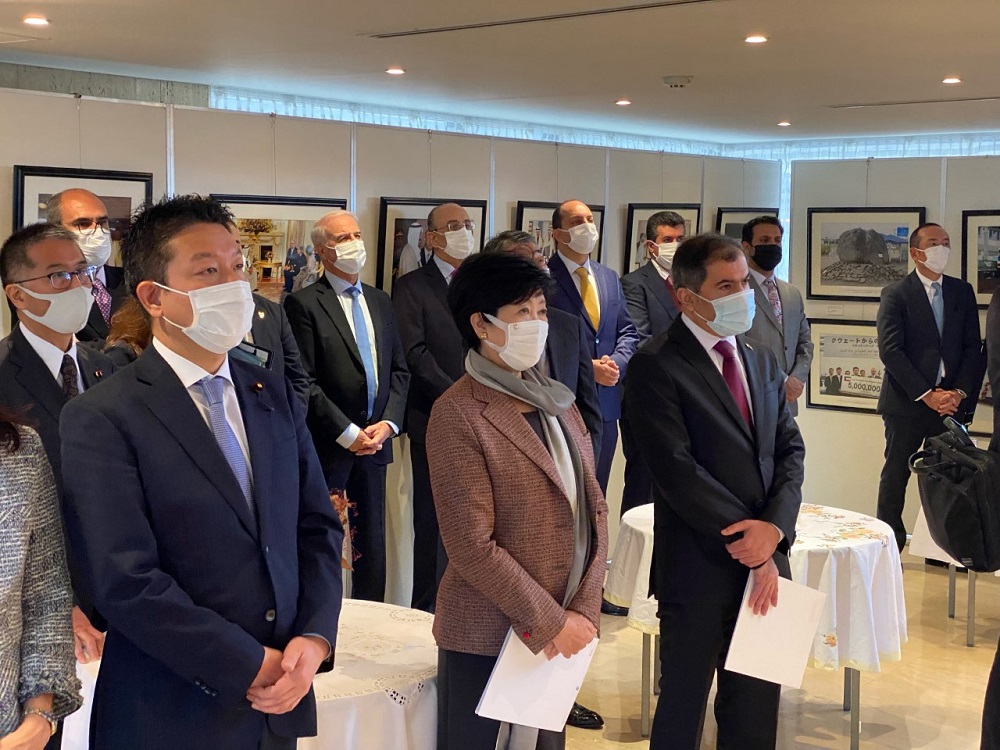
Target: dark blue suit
point(192, 587)
point(616, 337)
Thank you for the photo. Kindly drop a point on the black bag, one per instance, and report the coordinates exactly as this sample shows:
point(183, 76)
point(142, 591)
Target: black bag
point(960, 493)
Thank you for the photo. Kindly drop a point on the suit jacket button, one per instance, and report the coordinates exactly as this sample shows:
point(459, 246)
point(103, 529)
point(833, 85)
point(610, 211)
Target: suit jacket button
point(526, 634)
point(597, 340)
point(270, 615)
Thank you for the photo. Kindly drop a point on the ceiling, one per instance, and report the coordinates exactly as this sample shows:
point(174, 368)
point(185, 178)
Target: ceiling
point(821, 54)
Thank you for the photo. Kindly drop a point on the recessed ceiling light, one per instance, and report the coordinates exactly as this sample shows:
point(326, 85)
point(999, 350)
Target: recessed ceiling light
point(623, 102)
point(395, 70)
point(952, 79)
point(35, 20)
point(755, 39)
point(784, 124)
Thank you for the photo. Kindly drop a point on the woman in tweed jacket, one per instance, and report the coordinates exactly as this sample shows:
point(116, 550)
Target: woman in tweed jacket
point(38, 683)
point(522, 517)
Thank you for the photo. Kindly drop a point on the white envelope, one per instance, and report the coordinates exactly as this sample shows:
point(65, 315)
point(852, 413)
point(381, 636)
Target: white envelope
point(776, 646)
point(531, 690)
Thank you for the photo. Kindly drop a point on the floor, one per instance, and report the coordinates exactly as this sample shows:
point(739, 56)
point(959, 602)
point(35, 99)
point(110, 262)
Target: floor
point(931, 699)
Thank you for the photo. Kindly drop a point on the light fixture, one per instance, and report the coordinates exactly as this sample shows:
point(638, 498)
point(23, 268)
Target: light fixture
point(395, 70)
point(784, 124)
point(755, 39)
point(34, 19)
point(952, 79)
point(623, 102)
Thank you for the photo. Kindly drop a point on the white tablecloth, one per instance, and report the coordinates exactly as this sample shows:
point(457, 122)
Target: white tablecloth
point(850, 557)
point(381, 694)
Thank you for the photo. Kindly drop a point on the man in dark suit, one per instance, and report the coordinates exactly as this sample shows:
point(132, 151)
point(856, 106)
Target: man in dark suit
point(84, 214)
point(435, 356)
point(593, 292)
point(712, 420)
point(349, 344)
point(928, 341)
point(652, 303)
point(217, 565)
point(780, 323)
point(991, 704)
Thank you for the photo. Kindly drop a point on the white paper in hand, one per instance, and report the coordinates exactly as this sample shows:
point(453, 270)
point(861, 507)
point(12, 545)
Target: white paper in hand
point(775, 647)
point(531, 690)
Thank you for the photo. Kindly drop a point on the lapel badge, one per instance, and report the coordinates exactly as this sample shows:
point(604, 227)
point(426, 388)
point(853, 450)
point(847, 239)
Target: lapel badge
point(260, 314)
point(257, 387)
point(98, 374)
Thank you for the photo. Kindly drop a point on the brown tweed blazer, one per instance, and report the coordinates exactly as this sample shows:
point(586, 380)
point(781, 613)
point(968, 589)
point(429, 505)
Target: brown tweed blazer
point(506, 524)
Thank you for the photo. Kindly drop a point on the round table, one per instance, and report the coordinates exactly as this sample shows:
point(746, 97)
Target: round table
point(850, 557)
point(381, 694)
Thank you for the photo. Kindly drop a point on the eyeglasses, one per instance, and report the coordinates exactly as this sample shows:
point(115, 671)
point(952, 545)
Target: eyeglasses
point(61, 280)
point(456, 226)
point(87, 226)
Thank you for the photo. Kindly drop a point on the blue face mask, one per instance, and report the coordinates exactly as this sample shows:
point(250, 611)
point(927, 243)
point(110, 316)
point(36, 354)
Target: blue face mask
point(733, 314)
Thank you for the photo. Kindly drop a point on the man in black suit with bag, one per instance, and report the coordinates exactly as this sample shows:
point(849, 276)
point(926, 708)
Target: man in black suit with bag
point(712, 421)
point(991, 705)
point(928, 340)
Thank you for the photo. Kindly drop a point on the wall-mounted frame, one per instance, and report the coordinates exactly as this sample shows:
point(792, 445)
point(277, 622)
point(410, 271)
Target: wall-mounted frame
point(850, 349)
point(535, 218)
point(981, 252)
point(852, 253)
point(273, 229)
point(729, 221)
point(635, 228)
point(402, 226)
point(982, 418)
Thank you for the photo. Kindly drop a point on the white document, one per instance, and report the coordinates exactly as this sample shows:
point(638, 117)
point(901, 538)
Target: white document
point(776, 646)
point(531, 690)
point(922, 545)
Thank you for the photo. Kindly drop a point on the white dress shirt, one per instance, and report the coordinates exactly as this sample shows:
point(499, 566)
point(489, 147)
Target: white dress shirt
point(930, 298)
point(708, 342)
point(664, 273)
point(572, 266)
point(52, 357)
point(446, 269)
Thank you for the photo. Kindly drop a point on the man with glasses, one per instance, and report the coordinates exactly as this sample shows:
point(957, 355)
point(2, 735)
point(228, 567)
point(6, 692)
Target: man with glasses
point(436, 359)
point(42, 366)
point(86, 216)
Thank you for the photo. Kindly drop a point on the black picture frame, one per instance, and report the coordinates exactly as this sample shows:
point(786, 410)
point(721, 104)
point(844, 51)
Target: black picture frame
point(535, 217)
point(637, 215)
point(866, 389)
point(397, 213)
point(985, 278)
point(901, 220)
point(728, 216)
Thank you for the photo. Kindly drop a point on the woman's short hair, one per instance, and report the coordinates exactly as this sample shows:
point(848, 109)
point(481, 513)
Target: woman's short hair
point(485, 282)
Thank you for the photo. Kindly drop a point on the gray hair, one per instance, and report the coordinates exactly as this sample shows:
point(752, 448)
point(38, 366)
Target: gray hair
point(53, 209)
point(319, 234)
point(504, 241)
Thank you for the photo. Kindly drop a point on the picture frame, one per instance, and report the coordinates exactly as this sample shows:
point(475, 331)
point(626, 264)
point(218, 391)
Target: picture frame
point(635, 228)
point(402, 224)
point(535, 218)
point(850, 346)
point(729, 220)
point(122, 192)
point(270, 227)
point(875, 246)
point(982, 417)
point(981, 252)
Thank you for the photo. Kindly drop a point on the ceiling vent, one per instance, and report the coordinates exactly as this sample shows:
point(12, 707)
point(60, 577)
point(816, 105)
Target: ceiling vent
point(678, 82)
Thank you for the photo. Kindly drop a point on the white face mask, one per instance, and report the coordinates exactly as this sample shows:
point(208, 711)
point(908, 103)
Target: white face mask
point(68, 311)
point(460, 244)
point(665, 254)
point(96, 248)
point(222, 314)
point(937, 258)
point(525, 342)
point(583, 238)
point(733, 313)
point(351, 256)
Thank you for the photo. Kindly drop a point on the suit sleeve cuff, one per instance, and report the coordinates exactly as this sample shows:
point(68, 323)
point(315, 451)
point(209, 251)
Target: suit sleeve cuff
point(393, 426)
point(348, 436)
point(329, 648)
point(921, 396)
point(781, 534)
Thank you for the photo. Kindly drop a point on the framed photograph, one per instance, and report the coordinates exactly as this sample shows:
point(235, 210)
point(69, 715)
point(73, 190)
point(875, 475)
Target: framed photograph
point(981, 252)
point(982, 419)
point(402, 225)
point(276, 231)
point(635, 228)
point(122, 193)
point(535, 217)
point(854, 252)
point(847, 373)
point(730, 221)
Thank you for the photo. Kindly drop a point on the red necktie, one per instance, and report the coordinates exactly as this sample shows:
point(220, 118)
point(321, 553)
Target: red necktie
point(673, 293)
point(731, 374)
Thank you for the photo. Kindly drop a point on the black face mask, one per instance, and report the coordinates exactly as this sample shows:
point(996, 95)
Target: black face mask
point(767, 257)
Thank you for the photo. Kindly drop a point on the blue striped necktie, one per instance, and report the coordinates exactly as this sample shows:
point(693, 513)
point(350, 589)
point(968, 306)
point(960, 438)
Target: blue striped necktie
point(213, 388)
point(364, 344)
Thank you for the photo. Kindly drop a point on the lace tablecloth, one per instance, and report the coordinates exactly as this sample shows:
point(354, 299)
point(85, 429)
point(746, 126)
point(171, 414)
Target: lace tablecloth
point(850, 557)
point(381, 694)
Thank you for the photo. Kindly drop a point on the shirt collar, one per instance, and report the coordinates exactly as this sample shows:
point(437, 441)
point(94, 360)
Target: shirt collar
point(572, 265)
point(51, 356)
point(187, 371)
point(339, 285)
point(446, 269)
point(664, 273)
point(706, 339)
point(760, 278)
point(925, 281)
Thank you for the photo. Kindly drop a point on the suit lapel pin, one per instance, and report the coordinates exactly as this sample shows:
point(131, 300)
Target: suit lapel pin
point(260, 314)
point(98, 374)
point(257, 387)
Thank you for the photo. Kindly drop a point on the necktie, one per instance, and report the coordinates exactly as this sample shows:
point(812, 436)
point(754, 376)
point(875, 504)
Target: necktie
point(364, 345)
point(589, 295)
point(772, 295)
point(672, 292)
point(213, 389)
point(731, 374)
point(937, 305)
point(68, 373)
point(103, 299)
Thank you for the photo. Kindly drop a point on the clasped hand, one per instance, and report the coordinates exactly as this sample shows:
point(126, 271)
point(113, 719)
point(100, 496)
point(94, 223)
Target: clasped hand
point(369, 441)
point(945, 403)
point(760, 540)
point(606, 371)
point(573, 638)
point(285, 678)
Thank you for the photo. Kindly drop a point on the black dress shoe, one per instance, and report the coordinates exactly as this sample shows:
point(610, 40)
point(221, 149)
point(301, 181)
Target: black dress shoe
point(608, 608)
point(584, 718)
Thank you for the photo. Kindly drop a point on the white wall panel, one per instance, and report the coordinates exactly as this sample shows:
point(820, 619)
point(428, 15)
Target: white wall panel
point(312, 158)
point(223, 152)
point(522, 171)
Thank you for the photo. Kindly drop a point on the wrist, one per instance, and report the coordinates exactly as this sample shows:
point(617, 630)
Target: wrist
point(44, 723)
